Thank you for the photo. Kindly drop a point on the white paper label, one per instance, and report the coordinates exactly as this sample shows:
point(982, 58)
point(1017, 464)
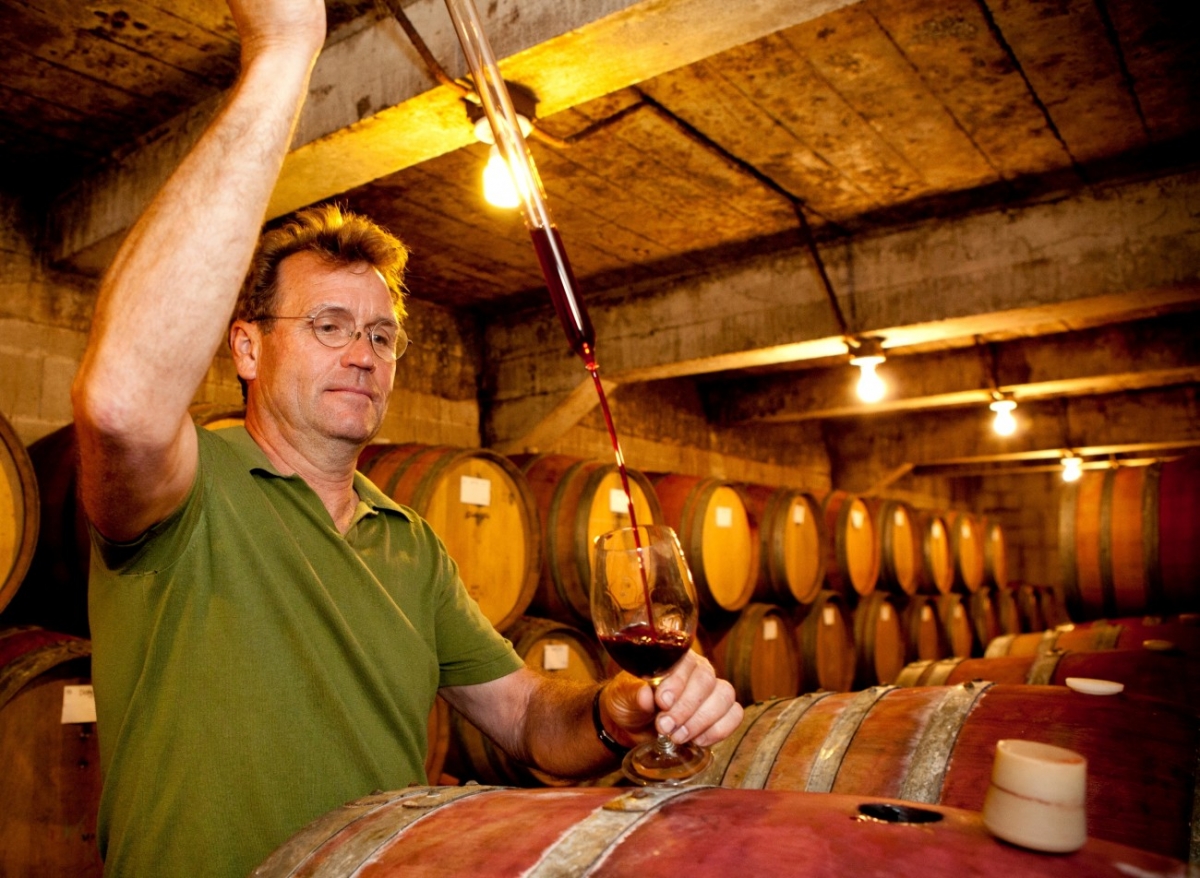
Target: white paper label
point(996, 536)
point(885, 612)
point(724, 516)
point(79, 705)
point(556, 657)
point(798, 513)
point(966, 530)
point(926, 614)
point(898, 518)
point(770, 629)
point(618, 503)
point(958, 612)
point(475, 492)
point(828, 614)
point(938, 533)
point(856, 518)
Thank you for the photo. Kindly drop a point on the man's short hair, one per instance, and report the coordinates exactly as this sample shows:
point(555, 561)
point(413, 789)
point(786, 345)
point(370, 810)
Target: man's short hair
point(339, 237)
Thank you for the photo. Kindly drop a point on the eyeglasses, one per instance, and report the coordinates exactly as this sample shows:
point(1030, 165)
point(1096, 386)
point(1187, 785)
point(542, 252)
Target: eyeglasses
point(336, 328)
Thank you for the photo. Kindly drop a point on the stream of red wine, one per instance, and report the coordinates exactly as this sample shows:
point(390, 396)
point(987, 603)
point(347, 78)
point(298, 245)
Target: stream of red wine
point(560, 281)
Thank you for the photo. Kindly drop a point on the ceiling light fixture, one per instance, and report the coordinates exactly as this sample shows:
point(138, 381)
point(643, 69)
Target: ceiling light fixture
point(1004, 424)
point(867, 354)
point(1072, 467)
point(499, 186)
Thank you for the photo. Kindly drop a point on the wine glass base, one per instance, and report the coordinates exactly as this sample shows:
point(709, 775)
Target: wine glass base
point(670, 764)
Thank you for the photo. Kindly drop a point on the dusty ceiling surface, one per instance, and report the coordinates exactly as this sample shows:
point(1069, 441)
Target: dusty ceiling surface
point(688, 138)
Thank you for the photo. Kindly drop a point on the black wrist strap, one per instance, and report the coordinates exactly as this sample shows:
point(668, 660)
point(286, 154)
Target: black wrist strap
point(605, 738)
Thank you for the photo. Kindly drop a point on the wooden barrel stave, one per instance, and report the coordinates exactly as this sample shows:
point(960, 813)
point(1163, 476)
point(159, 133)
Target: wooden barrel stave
point(878, 641)
point(956, 625)
point(758, 654)
point(852, 555)
point(923, 637)
point(966, 549)
point(714, 530)
point(825, 638)
point(900, 546)
point(791, 540)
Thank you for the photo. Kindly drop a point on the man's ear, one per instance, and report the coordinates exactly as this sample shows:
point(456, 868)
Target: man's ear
point(245, 344)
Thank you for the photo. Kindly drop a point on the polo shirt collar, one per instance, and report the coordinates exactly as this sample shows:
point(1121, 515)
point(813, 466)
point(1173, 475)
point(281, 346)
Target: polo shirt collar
point(255, 459)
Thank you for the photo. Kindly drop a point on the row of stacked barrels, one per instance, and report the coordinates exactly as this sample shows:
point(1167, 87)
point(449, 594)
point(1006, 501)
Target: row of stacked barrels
point(521, 530)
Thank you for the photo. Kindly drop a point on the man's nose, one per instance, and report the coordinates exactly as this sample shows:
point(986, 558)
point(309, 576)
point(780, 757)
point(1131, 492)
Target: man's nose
point(359, 352)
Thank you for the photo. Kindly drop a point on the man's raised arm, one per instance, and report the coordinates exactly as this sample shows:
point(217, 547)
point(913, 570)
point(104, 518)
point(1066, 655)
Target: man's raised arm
point(165, 302)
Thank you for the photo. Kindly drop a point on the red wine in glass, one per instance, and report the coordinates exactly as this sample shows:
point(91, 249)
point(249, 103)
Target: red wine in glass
point(644, 652)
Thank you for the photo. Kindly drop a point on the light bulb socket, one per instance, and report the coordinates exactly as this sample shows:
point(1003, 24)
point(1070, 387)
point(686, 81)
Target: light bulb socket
point(1003, 405)
point(866, 351)
point(524, 104)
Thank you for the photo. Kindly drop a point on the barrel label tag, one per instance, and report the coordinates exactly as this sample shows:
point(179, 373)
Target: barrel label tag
point(937, 531)
point(885, 612)
point(79, 705)
point(857, 518)
point(926, 614)
point(828, 615)
point(475, 492)
point(556, 657)
point(958, 612)
point(798, 513)
point(618, 503)
point(770, 629)
point(899, 518)
point(724, 516)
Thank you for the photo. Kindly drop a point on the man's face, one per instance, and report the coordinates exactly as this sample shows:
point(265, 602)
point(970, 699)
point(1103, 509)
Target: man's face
point(314, 390)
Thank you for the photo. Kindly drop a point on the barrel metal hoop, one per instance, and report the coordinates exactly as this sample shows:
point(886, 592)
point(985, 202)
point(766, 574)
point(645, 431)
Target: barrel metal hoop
point(589, 840)
point(724, 751)
point(913, 673)
point(1041, 672)
point(927, 768)
point(999, 646)
point(1049, 641)
point(829, 760)
point(33, 664)
point(940, 672)
point(774, 739)
point(1105, 636)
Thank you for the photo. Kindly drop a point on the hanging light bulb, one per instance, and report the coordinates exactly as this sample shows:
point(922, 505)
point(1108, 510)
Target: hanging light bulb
point(1072, 468)
point(498, 187)
point(1004, 424)
point(867, 356)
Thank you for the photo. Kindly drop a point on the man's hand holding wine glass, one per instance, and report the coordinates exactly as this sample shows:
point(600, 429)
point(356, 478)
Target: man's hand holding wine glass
point(690, 704)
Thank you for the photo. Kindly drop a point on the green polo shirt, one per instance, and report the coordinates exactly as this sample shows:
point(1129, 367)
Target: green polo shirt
point(254, 668)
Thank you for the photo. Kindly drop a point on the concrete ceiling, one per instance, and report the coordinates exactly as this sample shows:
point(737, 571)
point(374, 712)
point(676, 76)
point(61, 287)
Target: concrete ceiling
point(1005, 191)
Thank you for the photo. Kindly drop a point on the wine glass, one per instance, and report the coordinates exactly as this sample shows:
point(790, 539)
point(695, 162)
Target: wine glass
point(644, 609)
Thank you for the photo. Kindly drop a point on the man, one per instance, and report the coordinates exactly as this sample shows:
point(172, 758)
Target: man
point(268, 629)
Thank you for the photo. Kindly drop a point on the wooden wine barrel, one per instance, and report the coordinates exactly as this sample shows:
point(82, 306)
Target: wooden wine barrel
point(826, 641)
point(936, 744)
point(50, 781)
point(480, 505)
point(852, 553)
point(995, 553)
point(217, 416)
point(1176, 634)
point(19, 512)
point(923, 637)
point(605, 833)
point(714, 531)
point(985, 622)
point(791, 543)
point(1051, 606)
point(578, 500)
point(548, 647)
point(758, 654)
point(1128, 540)
point(55, 594)
point(878, 641)
point(1008, 618)
point(952, 616)
point(1029, 608)
point(937, 563)
point(966, 548)
point(1140, 671)
point(900, 545)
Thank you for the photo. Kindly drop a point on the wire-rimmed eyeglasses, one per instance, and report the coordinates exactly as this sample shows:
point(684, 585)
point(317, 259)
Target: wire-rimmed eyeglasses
point(336, 328)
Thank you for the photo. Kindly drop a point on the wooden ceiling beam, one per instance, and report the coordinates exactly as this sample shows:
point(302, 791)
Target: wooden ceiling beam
point(373, 108)
point(1130, 356)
